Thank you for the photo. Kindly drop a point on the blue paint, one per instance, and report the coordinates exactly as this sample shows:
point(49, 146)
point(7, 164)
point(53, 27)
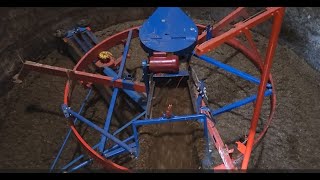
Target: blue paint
point(201, 117)
point(239, 103)
point(169, 29)
point(124, 55)
point(117, 146)
point(136, 97)
point(69, 132)
point(86, 40)
point(93, 37)
point(166, 75)
point(146, 75)
point(198, 103)
point(108, 119)
point(136, 138)
point(94, 126)
point(81, 165)
point(230, 69)
point(170, 120)
point(81, 44)
point(76, 30)
point(209, 33)
point(118, 151)
point(76, 160)
point(127, 85)
point(129, 123)
point(94, 147)
point(115, 93)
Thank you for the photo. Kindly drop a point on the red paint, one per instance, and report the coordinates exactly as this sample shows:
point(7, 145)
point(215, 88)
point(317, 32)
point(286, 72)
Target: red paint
point(229, 37)
point(219, 38)
point(232, 33)
point(276, 27)
point(160, 62)
point(169, 111)
point(107, 164)
point(82, 76)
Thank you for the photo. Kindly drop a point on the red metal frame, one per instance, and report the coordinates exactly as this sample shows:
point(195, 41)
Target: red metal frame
point(84, 76)
point(229, 37)
point(220, 37)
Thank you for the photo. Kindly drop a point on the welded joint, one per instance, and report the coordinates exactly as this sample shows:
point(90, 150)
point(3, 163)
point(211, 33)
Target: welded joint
point(65, 109)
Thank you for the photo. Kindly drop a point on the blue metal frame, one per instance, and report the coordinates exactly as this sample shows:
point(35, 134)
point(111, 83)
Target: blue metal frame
point(239, 103)
point(105, 153)
point(131, 144)
point(83, 46)
point(120, 146)
point(86, 40)
point(108, 119)
point(115, 93)
point(230, 69)
point(136, 97)
point(236, 72)
point(208, 30)
point(166, 75)
point(168, 29)
point(201, 117)
point(69, 132)
point(92, 37)
point(86, 35)
point(146, 75)
point(68, 113)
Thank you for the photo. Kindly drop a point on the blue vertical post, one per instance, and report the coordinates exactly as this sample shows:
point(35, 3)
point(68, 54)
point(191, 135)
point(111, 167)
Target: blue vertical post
point(209, 33)
point(136, 138)
point(108, 119)
point(145, 75)
point(115, 93)
point(207, 161)
point(125, 53)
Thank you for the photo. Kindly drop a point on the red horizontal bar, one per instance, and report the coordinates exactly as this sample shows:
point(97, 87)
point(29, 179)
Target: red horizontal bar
point(84, 76)
point(218, 40)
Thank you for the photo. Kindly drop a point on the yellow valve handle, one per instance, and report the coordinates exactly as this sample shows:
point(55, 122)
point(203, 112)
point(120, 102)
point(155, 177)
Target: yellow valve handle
point(105, 55)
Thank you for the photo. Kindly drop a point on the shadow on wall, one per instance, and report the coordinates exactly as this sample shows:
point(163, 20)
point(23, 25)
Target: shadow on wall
point(301, 32)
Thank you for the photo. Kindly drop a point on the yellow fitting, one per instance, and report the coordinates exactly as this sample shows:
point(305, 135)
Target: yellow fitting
point(105, 55)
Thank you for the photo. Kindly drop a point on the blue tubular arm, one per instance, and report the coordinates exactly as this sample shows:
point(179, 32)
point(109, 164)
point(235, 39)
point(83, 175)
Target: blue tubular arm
point(239, 103)
point(132, 94)
point(115, 93)
point(69, 133)
point(94, 147)
point(67, 111)
point(231, 69)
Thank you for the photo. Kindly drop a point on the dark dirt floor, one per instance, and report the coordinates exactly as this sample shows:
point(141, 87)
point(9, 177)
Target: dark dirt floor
point(32, 126)
point(177, 145)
